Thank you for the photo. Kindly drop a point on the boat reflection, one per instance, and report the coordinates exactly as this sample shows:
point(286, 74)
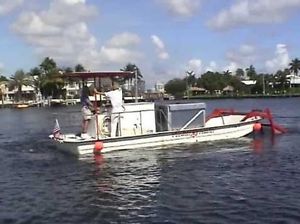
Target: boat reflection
point(261, 142)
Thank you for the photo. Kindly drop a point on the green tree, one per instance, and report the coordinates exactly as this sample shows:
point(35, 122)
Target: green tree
point(48, 65)
point(3, 78)
point(295, 66)
point(79, 68)
point(239, 73)
point(53, 83)
point(257, 88)
point(212, 81)
point(18, 80)
point(238, 86)
point(176, 87)
point(37, 79)
point(67, 70)
point(281, 81)
point(251, 73)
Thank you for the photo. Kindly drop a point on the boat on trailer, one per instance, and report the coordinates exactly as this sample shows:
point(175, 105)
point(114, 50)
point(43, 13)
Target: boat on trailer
point(160, 124)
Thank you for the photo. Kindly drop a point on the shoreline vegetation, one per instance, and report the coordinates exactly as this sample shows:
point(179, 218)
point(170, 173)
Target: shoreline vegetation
point(47, 82)
point(62, 102)
point(244, 96)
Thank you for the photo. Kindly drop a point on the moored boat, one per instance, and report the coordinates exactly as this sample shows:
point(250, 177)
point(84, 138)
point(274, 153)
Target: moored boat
point(21, 105)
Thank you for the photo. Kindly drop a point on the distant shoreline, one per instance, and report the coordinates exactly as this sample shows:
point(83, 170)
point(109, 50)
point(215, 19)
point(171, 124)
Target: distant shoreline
point(242, 96)
point(203, 97)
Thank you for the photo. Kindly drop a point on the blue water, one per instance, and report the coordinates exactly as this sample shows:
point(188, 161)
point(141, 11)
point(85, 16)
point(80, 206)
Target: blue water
point(236, 181)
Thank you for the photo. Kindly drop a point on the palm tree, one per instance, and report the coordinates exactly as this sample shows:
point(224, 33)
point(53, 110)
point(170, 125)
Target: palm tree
point(131, 68)
point(295, 66)
point(226, 73)
point(190, 78)
point(18, 80)
point(251, 73)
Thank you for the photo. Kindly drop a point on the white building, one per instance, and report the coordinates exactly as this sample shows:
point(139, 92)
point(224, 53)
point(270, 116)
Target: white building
point(159, 87)
point(72, 90)
point(9, 96)
point(294, 80)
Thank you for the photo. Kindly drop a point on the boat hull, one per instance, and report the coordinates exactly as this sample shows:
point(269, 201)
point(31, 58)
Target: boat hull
point(157, 140)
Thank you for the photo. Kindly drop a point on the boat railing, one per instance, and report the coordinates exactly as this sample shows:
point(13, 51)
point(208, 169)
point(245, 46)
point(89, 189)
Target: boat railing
point(192, 119)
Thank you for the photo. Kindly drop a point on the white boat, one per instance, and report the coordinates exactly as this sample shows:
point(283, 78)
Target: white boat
point(21, 105)
point(160, 124)
point(148, 125)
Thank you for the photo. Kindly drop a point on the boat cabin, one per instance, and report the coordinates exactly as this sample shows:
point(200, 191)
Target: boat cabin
point(148, 118)
point(171, 116)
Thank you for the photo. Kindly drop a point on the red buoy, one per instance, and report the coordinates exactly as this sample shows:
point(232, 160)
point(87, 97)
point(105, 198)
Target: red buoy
point(98, 146)
point(257, 127)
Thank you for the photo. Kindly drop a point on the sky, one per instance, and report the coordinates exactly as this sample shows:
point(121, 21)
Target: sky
point(164, 38)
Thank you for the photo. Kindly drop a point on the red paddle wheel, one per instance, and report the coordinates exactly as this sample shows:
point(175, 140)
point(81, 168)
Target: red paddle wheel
point(266, 114)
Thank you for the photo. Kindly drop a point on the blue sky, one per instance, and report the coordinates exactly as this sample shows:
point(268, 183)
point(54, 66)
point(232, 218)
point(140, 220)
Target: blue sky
point(164, 38)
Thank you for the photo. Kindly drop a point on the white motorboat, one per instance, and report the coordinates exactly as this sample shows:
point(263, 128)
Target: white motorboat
point(148, 125)
point(159, 124)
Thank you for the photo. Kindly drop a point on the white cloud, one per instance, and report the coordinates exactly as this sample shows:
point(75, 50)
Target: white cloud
point(212, 67)
point(158, 43)
point(61, 12)
point(31, 24)
point(244, 56)
point(160, 47)
point(195, 65)
point(246, 12)
point(6, 6)
point(119, 55)
point(67, 39)
point(184, 8)
point(124, 39)
point(246, 49)
point(121, 48)
point(232, 67)
point(281, 59)
point(53, 32)
point(71, 2)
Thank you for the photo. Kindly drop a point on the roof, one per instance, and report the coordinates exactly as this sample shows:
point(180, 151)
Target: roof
point(249, 82)
point(102, 74)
